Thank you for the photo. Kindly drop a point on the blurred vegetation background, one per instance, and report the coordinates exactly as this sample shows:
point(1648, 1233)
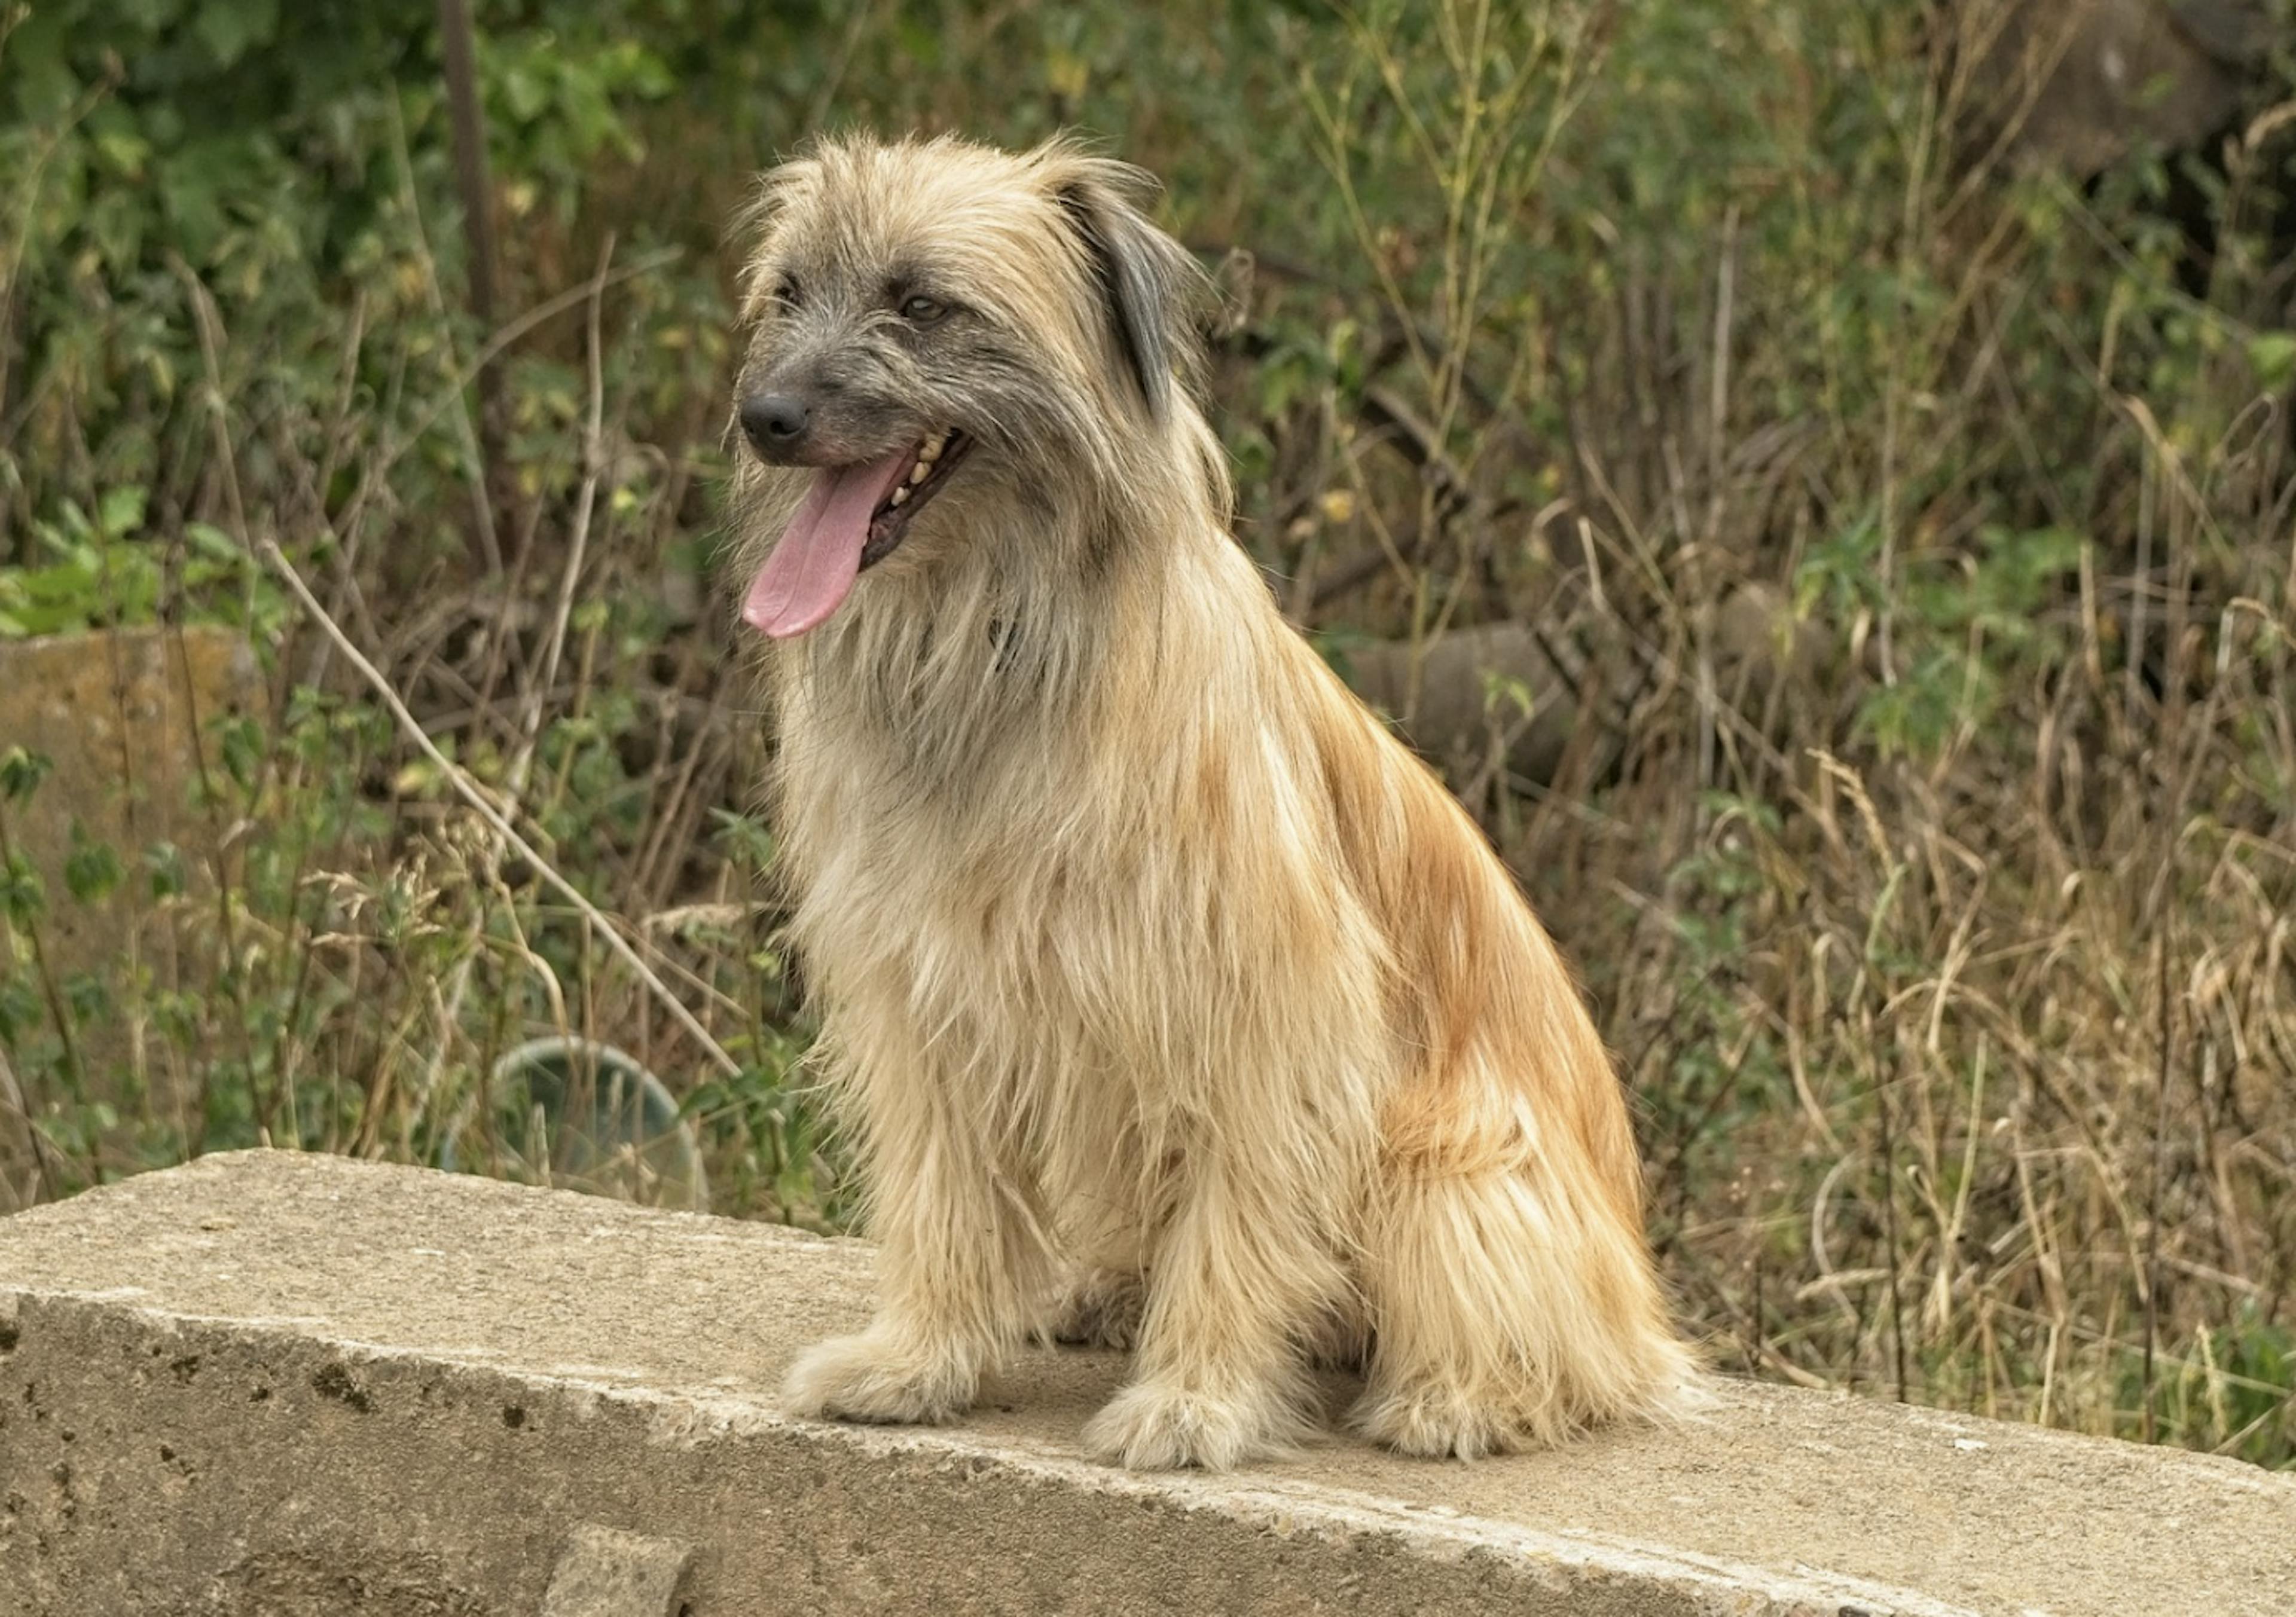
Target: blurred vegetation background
point(1815, 473)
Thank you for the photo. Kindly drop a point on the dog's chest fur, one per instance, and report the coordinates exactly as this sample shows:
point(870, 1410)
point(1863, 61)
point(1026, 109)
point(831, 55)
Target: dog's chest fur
point(1066, 857)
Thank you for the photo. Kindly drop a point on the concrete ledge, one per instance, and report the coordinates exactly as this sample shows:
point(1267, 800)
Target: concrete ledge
point(267, 1386)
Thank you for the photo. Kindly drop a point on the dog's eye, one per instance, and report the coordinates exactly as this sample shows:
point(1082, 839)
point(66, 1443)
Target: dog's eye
point(786, 293)
point(922, 310)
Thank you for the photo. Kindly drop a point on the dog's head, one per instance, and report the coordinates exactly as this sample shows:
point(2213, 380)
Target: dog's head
point(935, 325)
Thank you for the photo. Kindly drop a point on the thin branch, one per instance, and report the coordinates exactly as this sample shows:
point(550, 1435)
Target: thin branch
point(276, 560)
point(268, 550)
point(458, 48)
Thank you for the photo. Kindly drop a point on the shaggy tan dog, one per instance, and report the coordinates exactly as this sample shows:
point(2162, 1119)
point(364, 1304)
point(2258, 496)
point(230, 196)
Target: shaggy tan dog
point(1172, 1003)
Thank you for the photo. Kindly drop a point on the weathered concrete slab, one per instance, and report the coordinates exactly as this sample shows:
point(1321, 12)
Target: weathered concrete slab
point(285, 1385)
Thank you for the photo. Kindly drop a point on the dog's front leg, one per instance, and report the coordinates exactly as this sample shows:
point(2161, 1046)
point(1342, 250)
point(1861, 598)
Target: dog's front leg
point(1219, 1377)
point(961, 1263)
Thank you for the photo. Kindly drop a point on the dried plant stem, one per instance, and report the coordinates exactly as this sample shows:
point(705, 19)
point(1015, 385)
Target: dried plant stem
point(586, 505)
point(464, 787)
point(2153, 1211)
point(13, 1093)
point(521, 761)
point(45, 973)
point(458, 46)
point(267, 549)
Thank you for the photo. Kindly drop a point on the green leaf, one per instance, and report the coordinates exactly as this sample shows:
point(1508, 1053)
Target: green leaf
point(22, 770)
point(20, 1010)
point(23, 897)
point(163, 864)
point(2272, 356)
point(205, 539)
point(242, 751)
point(87, 998)
point(91, 870)
point(120, 512)
point(746, 838)
point(229, 28)
point(125, 150)
point(524, 90)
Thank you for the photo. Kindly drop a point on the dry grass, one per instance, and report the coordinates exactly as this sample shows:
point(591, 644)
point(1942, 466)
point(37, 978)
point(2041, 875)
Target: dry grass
point(1934, 851)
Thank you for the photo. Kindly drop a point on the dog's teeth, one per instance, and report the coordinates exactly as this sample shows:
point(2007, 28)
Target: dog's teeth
point(921, 470)
point(900, 493)
point(933, 446)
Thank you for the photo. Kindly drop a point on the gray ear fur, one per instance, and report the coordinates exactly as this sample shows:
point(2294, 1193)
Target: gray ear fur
point(753, 222)
point(1149, 281)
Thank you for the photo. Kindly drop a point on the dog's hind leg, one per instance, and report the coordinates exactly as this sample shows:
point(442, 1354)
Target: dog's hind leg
point(962, 1260)
point(1108, 1208)
point(1512, 1306)
point(1097, 1307)
point(1462, 1364)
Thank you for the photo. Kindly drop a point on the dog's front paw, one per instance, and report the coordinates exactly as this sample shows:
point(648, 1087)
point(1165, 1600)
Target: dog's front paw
point(1148, 1427)
point(1432, 1422)
point(874, 1377)
point(1101, 1308)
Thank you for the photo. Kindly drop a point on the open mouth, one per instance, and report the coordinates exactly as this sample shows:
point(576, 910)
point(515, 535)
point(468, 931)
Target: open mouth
point(852, 517)
point(927, 473)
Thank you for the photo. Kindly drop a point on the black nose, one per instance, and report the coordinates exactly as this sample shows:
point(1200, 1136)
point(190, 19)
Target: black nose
point(773, 420)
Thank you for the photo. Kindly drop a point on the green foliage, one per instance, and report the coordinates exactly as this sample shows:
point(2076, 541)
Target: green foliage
point(1724, 1069)
point(91, 870)
point(23, 896)
point(1975, 625)
point(556, 110)
point(2250, 1405)
point(2229, 1391)
point(1968, 623)
point(22, 770)
point(102, 572)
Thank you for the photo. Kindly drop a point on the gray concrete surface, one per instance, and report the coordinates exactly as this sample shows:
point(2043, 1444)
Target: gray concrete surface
point(273, 1385)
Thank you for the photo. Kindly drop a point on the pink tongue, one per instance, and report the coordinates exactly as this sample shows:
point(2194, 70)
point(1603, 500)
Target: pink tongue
point(812, 569)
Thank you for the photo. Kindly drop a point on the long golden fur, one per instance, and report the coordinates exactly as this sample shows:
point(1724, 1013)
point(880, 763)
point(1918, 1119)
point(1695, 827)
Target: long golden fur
point(1172, 1003)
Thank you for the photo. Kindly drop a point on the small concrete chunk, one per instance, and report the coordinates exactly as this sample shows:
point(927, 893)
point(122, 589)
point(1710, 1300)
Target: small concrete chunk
point(607, 1573)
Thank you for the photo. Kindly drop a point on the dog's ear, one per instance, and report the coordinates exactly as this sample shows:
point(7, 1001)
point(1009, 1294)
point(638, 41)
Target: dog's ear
point(1150, 284)
point(754, 223)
